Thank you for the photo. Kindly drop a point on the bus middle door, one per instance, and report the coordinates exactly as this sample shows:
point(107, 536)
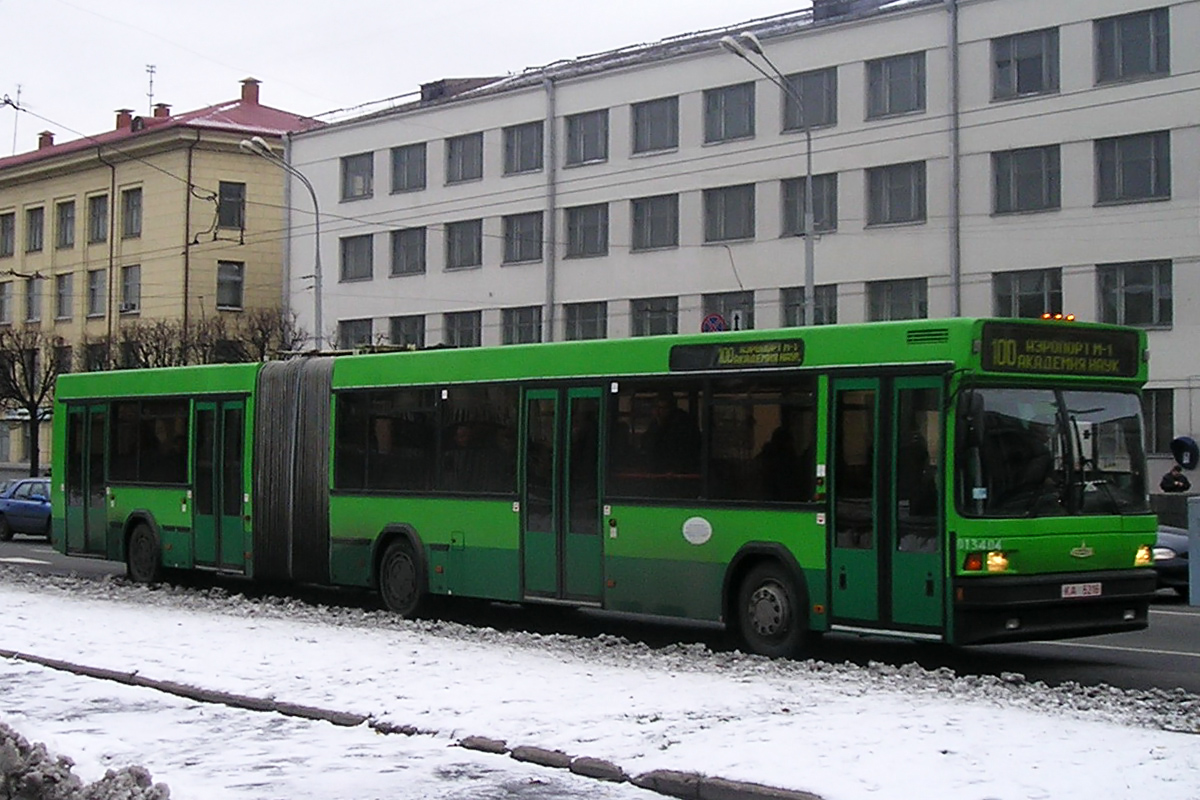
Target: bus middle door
point(217, 525)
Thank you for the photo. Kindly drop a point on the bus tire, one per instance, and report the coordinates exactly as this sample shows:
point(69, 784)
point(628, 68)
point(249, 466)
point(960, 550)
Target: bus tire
point(143, 561)
point(400, 579)
point(770, 614)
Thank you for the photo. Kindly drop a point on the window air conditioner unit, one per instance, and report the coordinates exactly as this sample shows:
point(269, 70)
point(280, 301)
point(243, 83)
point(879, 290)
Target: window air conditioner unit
point(127, 307)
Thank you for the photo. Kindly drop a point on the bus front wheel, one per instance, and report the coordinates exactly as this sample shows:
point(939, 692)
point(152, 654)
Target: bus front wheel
point(770, 617)
point(400, 579)
point(143, 563)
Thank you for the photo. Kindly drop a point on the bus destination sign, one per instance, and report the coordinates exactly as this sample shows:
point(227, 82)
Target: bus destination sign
point(770, 354)
point(1013, 347)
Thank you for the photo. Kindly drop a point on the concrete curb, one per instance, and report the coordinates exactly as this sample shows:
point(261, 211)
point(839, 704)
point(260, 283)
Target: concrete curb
point(683, 785)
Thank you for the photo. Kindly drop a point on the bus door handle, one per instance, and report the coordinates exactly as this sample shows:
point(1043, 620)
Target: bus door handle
point(929, 585)
point(842, 579)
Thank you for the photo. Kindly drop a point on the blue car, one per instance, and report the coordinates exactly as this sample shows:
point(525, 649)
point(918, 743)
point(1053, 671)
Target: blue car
point(1171, 559)
point(25, 508)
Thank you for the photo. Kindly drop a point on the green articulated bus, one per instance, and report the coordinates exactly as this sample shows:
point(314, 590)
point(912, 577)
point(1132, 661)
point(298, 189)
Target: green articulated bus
point(961, 481)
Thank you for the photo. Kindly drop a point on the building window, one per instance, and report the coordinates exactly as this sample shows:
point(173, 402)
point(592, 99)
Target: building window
point(523, 148)
point(96, 357)
point(64, 359)
point(901, 299)
point(98, 219)
point(655, 222)
point(464, 158)
point(358, 258)
point(358, 176)
point(8, 234)
point(1025, 64)
point(462, 328)
point(656, 125)
point(587, 231)
point(523, 237)
point(6, 302)
point(33, 299)
point(231, 282)
point(65, 231)
point(408, 167)
point(131, 289)
point(1158, 410)
point(818, 92)
point(407, 331)
point(1136, 293)
point(231, 205)
point(354, 333)
point(587, 137)
point(736, 308)
point(654, 316)
point(824, 306)
point(464, 244)
point(1028, 293)
point(408, 251)
point(824, 204)
point(587, 321)
point(97, 299)
point(64, 296)
point(131, 213)
point(522, 325)
point(729, 113)
point(35, 223)
point(896, 85)
point(1133, 46)
point(896, 193)
point(729, 213)
point(1026, 180)
point(1132, 168)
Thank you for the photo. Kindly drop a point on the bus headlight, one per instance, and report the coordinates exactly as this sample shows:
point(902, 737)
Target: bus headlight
point(997, 561)
point(1159, 554)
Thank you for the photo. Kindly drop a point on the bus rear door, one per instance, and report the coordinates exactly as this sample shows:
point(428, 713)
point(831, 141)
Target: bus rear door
point(87, 496)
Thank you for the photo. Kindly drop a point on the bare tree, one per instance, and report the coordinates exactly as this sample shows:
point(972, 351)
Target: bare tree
point(157, 343)
point(264, 332)
point(28, 370)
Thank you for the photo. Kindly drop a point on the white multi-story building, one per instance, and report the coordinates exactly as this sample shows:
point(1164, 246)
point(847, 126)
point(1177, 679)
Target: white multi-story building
point(969, 157)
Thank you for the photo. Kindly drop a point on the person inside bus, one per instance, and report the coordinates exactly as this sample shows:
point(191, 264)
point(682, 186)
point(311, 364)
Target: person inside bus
point(672, 440)
point(1175, 481)
point(462, 464)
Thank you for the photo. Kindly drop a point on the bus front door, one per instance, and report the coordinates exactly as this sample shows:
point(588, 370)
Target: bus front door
point(86, 515)
point(886, 547)
point(218, 529)
point(560, 495)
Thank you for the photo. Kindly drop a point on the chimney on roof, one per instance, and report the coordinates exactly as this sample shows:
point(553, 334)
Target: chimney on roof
point(250, 91)
point(162, 110)
point(45, 139)
point(124, 118)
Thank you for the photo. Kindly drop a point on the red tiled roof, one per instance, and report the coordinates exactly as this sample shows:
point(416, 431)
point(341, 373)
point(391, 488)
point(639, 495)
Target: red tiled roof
point(236, 116)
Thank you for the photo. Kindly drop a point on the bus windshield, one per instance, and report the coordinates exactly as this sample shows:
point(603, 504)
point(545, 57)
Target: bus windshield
point(1049, 452)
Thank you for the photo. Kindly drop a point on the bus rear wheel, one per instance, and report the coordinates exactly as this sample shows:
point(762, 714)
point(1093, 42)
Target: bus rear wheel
point(143, 563)
point(400, 579)
point(770, 617)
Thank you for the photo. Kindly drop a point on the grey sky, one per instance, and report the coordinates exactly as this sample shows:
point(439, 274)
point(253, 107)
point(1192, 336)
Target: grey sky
point(76, 61)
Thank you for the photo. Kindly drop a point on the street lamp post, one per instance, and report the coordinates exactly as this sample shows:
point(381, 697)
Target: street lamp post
point(741, 47)
point(259, 147)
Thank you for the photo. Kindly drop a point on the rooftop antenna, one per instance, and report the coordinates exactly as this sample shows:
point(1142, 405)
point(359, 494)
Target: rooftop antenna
point(150, 68)
point(16, 118)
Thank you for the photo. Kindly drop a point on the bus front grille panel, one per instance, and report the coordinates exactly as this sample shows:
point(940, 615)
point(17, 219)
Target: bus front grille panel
point(291, 468)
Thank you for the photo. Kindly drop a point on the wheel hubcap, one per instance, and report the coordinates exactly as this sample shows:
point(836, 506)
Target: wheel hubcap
point(769, 610)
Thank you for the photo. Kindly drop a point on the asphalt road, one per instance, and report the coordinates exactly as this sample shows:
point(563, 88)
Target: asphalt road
point(1166, 655)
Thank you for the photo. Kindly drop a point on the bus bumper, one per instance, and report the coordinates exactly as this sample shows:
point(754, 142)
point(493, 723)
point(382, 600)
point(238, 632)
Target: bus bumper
point(1025, 608)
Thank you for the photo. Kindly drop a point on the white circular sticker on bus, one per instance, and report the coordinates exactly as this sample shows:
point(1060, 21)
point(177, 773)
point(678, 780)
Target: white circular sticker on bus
point(697, 530)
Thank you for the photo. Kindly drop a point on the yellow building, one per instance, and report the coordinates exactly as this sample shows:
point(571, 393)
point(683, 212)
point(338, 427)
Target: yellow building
point(161, 218)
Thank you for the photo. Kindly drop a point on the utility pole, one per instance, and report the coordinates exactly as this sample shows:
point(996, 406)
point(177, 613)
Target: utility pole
point(16, 118)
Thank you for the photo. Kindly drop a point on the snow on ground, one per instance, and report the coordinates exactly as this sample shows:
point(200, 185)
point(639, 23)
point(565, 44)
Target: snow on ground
point(840, 731)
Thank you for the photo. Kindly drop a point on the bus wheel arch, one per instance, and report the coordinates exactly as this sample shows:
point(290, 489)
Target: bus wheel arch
point(143, 550)
point(400, 571)
point(766, 601)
